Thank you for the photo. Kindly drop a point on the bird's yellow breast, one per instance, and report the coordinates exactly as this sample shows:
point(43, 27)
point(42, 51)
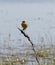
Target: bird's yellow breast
point(24, 25)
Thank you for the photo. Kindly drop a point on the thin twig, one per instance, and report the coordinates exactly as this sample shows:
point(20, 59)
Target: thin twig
point(25, 35)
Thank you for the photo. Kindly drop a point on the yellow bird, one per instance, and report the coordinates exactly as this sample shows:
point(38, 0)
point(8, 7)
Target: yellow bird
point(24, 25)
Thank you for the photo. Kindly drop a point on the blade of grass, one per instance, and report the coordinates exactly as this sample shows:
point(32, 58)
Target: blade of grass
point(25, 35)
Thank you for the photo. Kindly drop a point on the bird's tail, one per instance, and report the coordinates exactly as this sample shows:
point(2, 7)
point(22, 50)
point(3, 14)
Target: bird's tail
point(24, 29)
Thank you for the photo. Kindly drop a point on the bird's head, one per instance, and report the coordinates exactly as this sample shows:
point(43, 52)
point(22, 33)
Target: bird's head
point(23, 21)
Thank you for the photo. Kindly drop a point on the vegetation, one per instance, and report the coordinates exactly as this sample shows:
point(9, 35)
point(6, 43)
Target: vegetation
point(31, 55)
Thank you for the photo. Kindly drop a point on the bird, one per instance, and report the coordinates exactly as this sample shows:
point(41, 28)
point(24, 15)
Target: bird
point(24, 25)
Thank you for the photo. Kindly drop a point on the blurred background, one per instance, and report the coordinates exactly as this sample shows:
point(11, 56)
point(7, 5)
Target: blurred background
point(39, 14)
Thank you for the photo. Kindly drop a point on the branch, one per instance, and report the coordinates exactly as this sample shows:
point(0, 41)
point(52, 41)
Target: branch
point(25, 35)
